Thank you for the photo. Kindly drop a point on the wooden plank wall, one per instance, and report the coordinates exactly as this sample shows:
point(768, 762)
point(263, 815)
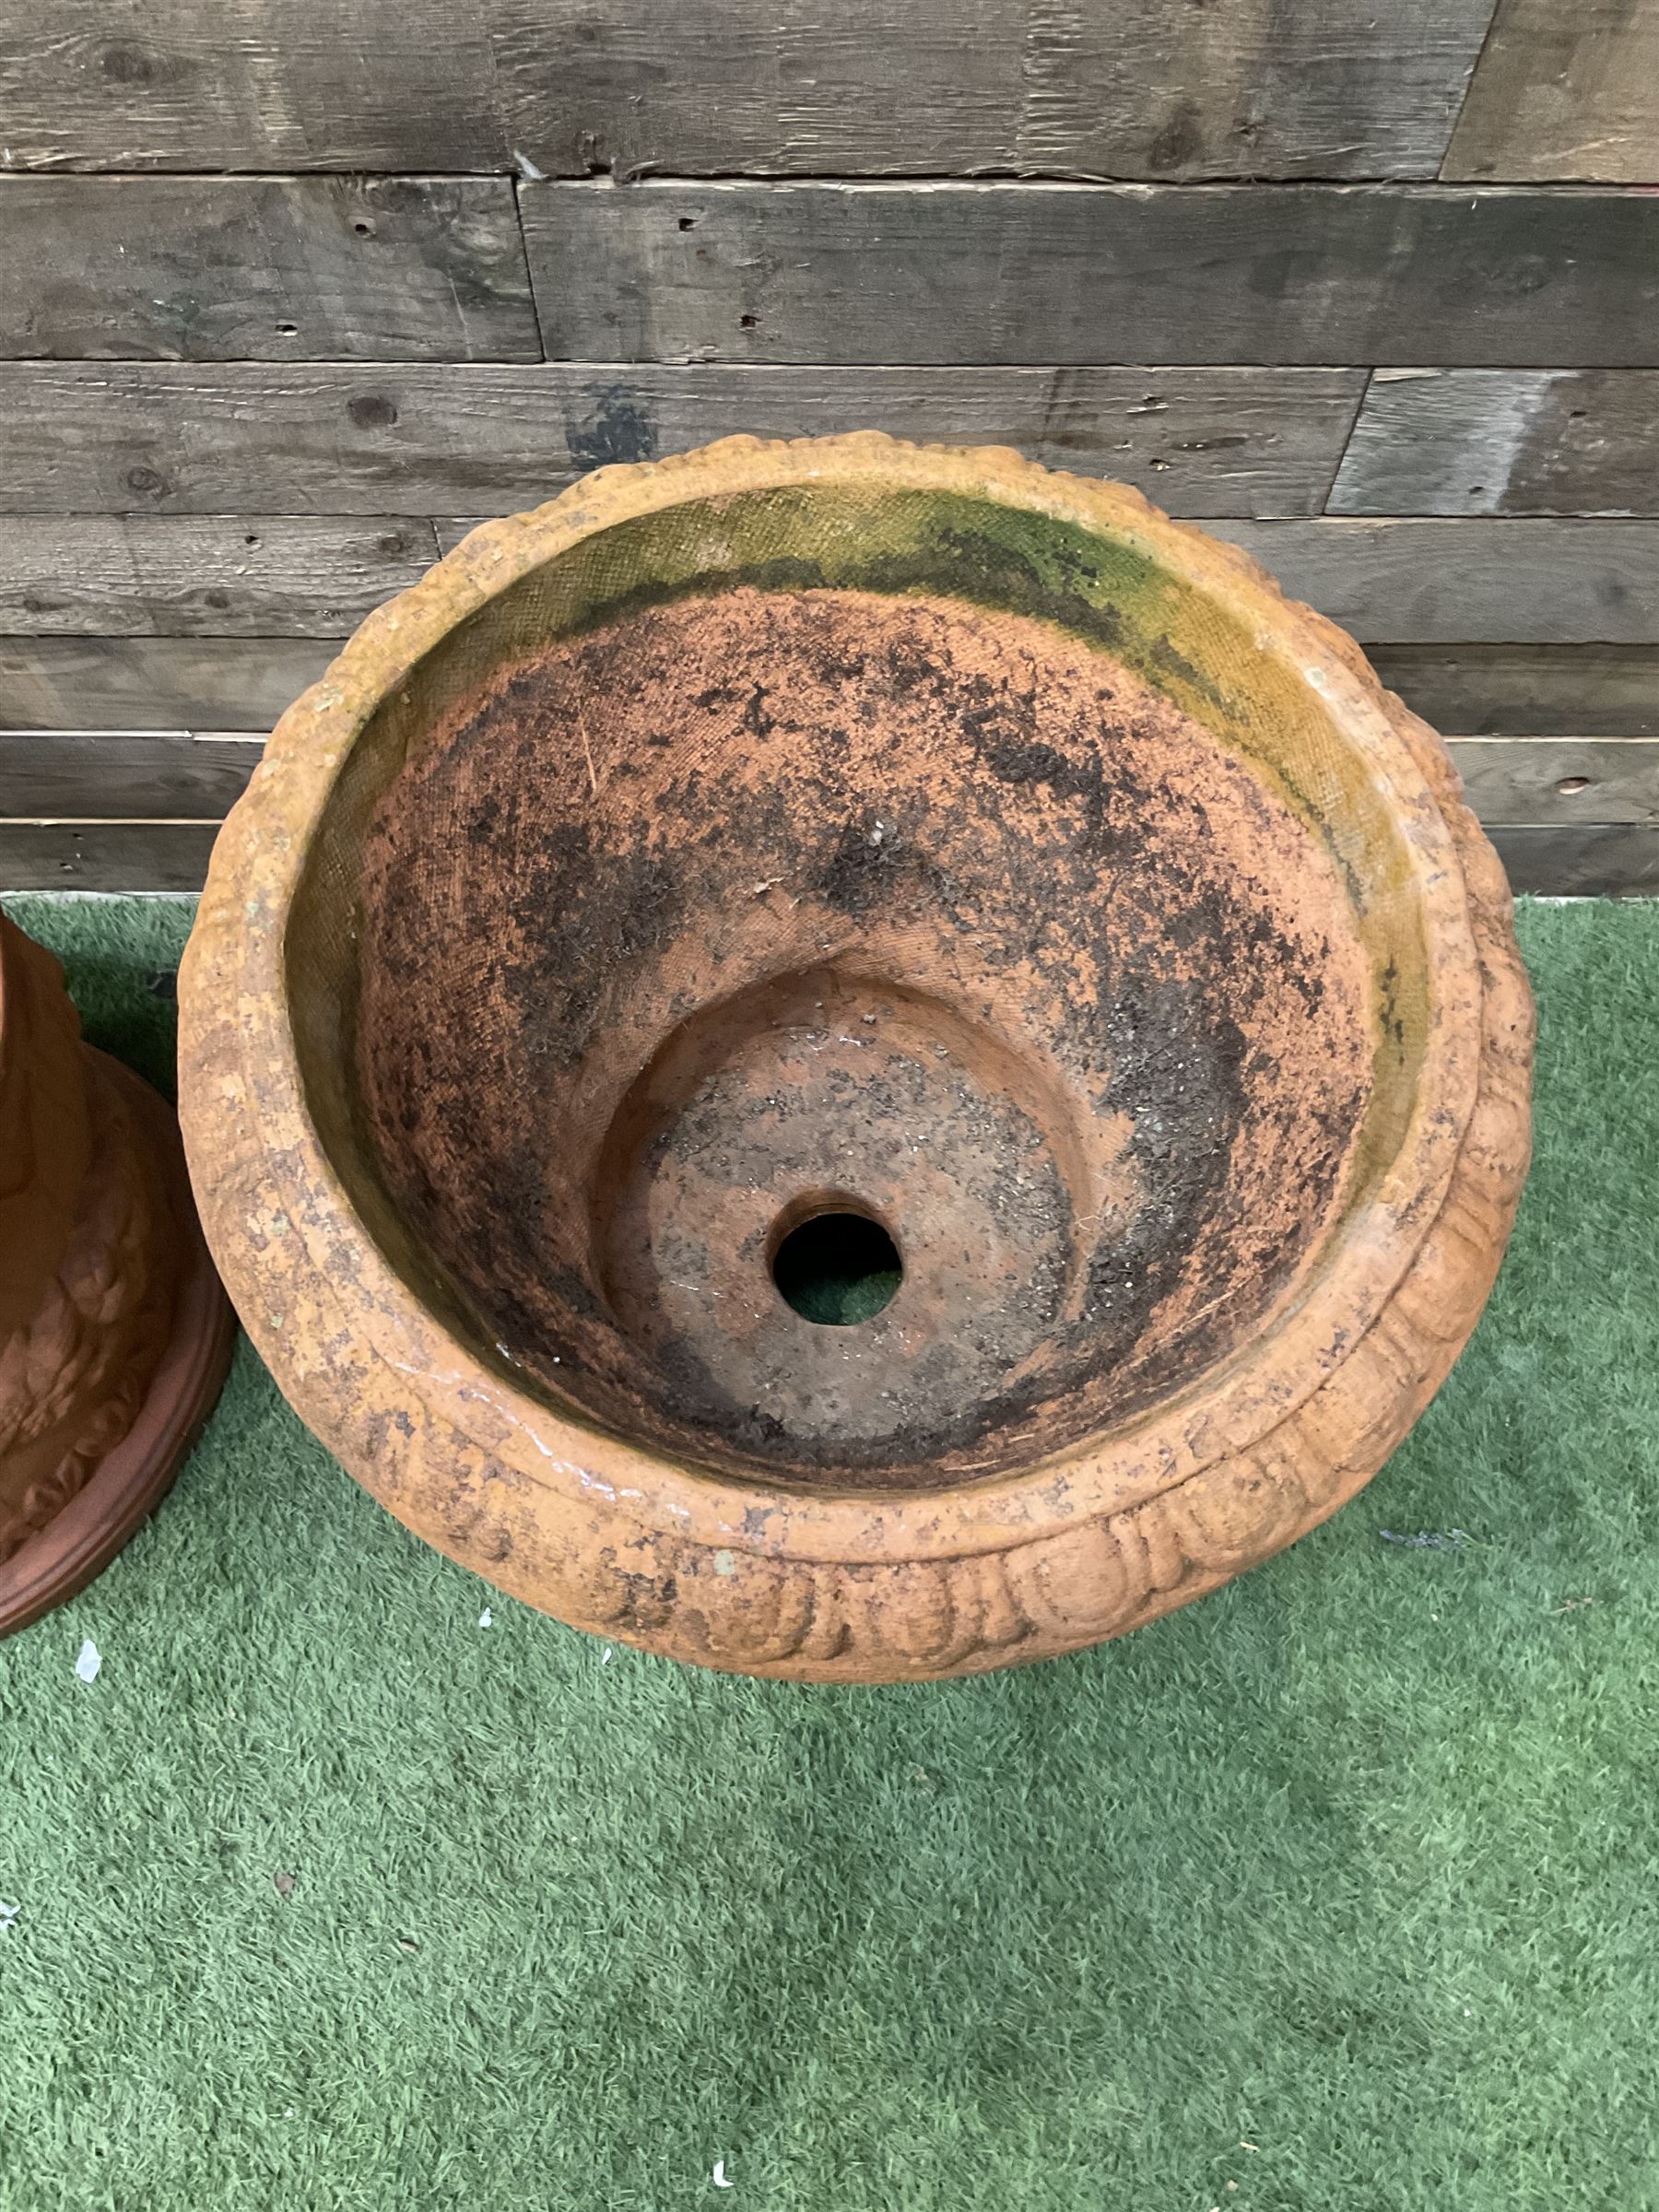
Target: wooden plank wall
point(293, 290)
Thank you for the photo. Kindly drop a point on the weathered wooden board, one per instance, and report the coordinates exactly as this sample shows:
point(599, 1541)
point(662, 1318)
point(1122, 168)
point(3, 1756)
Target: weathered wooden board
point(1565, 783)
point(245, 438)
point(1566, 92)
point(78, 774)
point(244, 683)
point(1433, 583)
point(889, 87)
point(1141, 89)
point(1452, 583)
point(1527, 690)
point(1016, 273)
point(105, 856)
point(1614, 863)
point(262, 268)
point(173, 856)
point(203, 576)
point(1503, 441)
point(247, 85)
point(128, 682)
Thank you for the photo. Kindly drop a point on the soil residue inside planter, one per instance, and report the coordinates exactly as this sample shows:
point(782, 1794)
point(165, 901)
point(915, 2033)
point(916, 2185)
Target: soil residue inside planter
point(751, 902)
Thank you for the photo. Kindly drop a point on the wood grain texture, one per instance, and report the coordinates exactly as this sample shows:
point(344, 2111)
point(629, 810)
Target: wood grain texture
point(245, 683)
point(1442, 583)
point(104, 856)
point(1141, 89)
point(262, 268)
point(1566, 782)
point(1610, 863)
point(247, 85)
point(1020, 273)
point(395, 439)
point(1503, 441)
point(1564, 93)
point(1559, 783)
point(1526, 690)
point(173, 856)
point(137, 683)
point(78, 774)
point(1433, 582)
point(1258, 87)
point(209, 576)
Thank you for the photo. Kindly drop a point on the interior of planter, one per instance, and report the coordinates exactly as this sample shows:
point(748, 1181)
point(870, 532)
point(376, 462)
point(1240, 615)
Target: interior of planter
point(859, 984)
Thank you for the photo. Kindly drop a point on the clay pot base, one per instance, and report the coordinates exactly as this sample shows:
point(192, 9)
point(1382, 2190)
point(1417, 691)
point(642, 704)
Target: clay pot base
point(907, 911)
point(85, 1534)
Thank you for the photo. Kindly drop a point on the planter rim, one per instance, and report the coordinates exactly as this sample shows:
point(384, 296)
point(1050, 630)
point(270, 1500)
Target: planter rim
point(85, 1535)
point(287, 1233)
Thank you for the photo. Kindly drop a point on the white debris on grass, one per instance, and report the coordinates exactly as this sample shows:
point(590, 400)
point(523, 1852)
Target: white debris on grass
point(8, 1917)
point(486, 1618)
point(719, 2176)
point(605, 1657)
point(88, 1662)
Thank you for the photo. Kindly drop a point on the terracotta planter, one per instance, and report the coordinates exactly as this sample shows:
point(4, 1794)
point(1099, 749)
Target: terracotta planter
point(114, 1334)
point(915, 837)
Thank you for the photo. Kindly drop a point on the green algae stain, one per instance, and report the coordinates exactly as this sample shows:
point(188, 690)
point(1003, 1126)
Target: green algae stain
point(879, 538)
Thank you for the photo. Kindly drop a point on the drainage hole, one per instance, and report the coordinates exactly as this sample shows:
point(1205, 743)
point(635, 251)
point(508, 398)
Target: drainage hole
point(837, 1269)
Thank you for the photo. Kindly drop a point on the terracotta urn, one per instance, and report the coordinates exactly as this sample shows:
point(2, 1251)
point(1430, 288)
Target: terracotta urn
point(114, 1334)
point(853, 1061)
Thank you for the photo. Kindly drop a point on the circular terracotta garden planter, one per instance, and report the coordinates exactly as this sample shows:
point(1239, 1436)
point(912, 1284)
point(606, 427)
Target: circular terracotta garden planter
point(855, 1062)
point(114, 1334)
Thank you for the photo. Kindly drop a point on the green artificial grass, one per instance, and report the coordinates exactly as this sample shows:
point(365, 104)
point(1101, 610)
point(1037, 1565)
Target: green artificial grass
point(1340, 1887)
point(837, 1268)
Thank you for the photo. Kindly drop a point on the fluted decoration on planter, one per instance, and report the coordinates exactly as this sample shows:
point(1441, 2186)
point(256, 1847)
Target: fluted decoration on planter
point(114, 1334)
point(955, 866)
